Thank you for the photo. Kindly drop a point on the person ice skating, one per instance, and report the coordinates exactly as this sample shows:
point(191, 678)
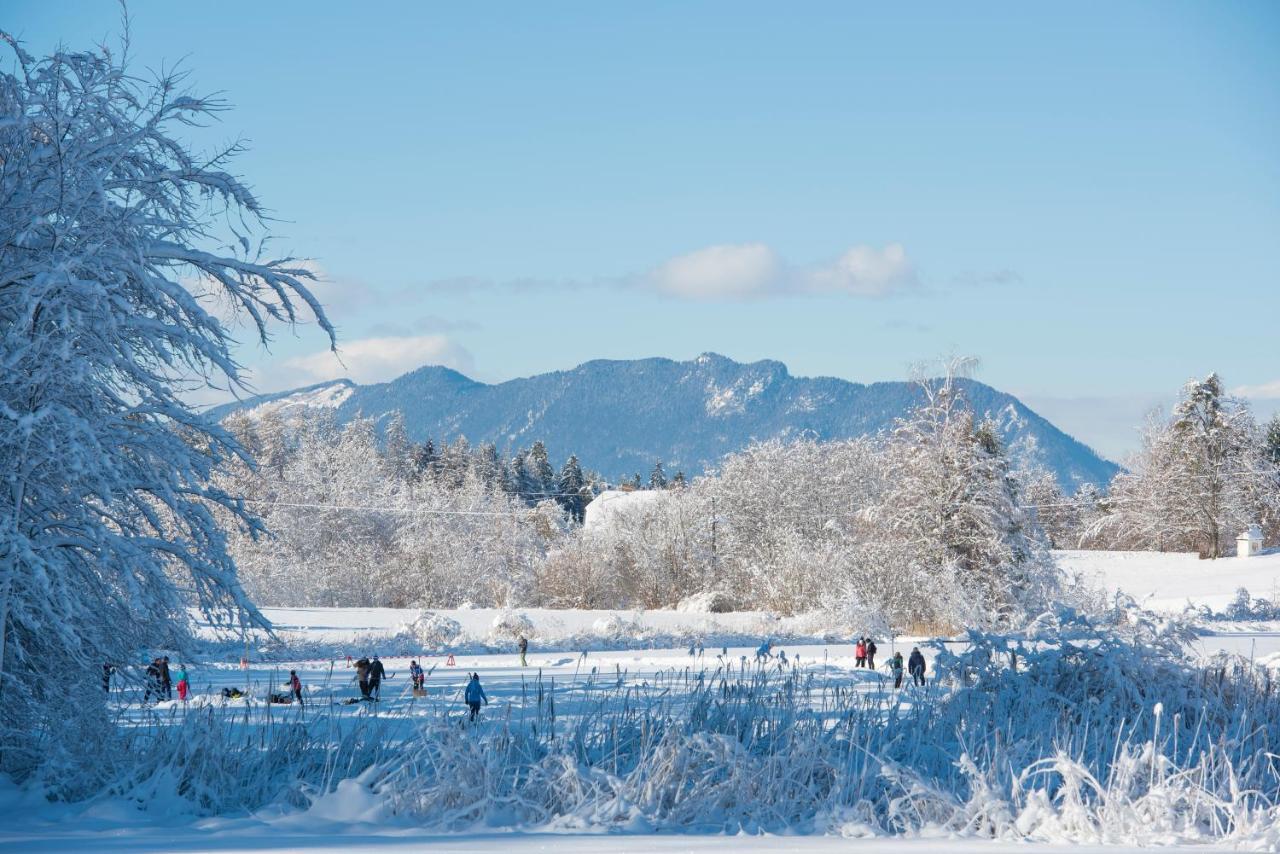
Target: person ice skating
point(183, 685)
point(871, 654)
point(915, 664)
point(524, 648)
point(895, 666)
point(295, 685)
point(765, 652)
point(154, 684)
point(376, 673)
point(474, 695)
point(362, 673)
point(417, 676)
point(860, 653)
point(166, 681)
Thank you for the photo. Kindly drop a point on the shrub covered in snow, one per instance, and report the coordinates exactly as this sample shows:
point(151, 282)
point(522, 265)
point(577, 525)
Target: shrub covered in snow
point(431, 631)
point(1243, 607)
point(511, 625)
point(616, 627)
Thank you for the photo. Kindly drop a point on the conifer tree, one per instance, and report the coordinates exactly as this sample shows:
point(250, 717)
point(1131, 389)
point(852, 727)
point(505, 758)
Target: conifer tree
point(573, 493)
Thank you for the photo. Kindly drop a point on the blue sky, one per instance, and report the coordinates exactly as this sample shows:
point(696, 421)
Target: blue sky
point(1086, 196)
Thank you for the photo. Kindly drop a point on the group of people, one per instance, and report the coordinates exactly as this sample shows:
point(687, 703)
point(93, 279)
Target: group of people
point(160, 680)
point(370, 675)
point(914, 666)
point(864, 653)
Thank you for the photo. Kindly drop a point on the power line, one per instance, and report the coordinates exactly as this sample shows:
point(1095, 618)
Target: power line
point(369, 509)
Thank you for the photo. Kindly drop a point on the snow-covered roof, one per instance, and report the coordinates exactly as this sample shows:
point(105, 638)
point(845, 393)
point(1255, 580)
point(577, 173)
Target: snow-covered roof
point(606, 506)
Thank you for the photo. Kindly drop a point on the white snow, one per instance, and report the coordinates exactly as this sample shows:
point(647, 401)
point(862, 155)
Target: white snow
point(1168, 581)
point(606, 507)
point(296, 405)
point(355, 817)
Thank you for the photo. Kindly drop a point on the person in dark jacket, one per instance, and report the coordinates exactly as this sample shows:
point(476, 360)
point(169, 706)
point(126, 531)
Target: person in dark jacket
point(362, 673)
point(166, 681)
point(154, 684)
point(524, 648)
point(376, 674)
point(107, 670)
point(915, 664)
point(871, 653)
point(295, 685)
point(474, 695)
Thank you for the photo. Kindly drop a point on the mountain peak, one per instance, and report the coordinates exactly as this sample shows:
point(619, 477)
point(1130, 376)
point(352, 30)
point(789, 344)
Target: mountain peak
point(621, 416)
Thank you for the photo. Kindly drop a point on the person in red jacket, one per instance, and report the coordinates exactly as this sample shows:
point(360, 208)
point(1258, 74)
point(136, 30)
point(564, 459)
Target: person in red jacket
point(296, 685)
point(860, 653)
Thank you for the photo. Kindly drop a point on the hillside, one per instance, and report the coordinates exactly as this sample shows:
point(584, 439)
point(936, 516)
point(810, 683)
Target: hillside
point(621, 416)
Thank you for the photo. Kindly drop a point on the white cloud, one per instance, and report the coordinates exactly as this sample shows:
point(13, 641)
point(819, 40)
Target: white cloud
point(731, 271)
point(367, 360)
point(864, 271)
point(1263, 391)
point(754, 270)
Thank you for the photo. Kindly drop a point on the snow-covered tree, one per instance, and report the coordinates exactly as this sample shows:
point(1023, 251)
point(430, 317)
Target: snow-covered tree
point(108, 249)
point(951, 503)
point(540, 476)
point(572, 488)
point(1200, 477)
point(657, 477)
point(1056, 516)
point(1271, 440)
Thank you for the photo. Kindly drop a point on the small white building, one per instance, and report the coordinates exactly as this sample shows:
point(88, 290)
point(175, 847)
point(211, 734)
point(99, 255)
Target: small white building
point(1249, 543)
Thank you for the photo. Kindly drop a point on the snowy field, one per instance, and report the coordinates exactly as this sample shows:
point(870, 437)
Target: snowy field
point(1169, 582)
point(581, 664)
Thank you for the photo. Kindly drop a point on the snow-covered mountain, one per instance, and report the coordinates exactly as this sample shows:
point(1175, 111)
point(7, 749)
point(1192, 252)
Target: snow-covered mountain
point(621, 416)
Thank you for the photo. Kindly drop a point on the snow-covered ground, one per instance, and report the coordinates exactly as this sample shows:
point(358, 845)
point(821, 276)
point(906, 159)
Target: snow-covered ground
point(588, 660)
point(1165, 581)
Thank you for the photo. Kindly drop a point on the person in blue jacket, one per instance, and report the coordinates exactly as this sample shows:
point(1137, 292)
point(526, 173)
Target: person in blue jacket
point(765, 652)
point(474, 695)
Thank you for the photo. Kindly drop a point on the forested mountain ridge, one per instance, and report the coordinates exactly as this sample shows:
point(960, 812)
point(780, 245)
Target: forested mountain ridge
point(620, 416)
